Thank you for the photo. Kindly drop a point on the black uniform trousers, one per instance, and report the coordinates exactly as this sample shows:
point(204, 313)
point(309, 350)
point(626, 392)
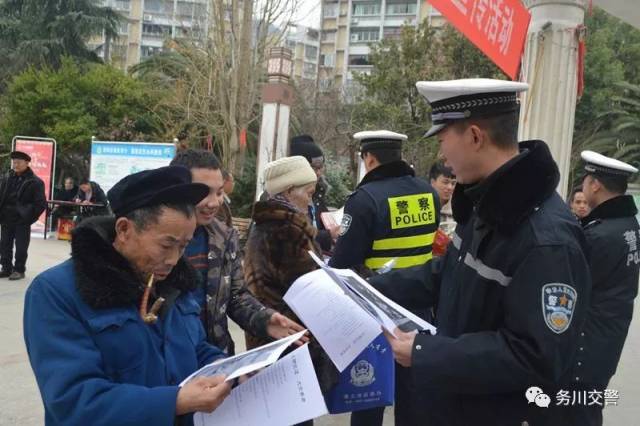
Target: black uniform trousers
point(21, 235)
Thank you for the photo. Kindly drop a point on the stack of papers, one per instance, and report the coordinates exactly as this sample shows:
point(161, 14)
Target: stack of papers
point(285, 393)
point(290, 382)
point(345, 313)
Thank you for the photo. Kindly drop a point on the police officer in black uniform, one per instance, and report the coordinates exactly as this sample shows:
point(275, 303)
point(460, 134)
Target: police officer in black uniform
point(22, 201)
point(513, 287)
point(613, 239)
point(392, 216)
point(389, 221)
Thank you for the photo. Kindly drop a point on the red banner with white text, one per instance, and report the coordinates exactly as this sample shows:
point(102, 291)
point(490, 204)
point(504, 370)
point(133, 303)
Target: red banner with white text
point(43, 154)
point(497, 27)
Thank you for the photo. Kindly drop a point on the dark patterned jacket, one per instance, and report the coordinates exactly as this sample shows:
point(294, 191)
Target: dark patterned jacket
point(227, 293)
point(276, 255)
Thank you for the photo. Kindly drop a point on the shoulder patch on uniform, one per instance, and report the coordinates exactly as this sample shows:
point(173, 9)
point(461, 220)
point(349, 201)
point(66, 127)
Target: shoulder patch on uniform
point(558, 306)
point(345, 224)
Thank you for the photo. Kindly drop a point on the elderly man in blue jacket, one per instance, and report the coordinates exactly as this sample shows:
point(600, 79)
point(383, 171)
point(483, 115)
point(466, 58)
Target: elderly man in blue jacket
point(112, 331)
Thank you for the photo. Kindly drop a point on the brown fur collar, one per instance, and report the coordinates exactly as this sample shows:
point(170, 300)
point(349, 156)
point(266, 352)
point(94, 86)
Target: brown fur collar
point(104, 278)
point(274, 211)
point(512, 192)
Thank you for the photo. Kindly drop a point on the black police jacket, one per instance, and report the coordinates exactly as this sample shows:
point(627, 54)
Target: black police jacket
point(391, 215)
point(509, 295)
point(613, 239)
point(30, 199)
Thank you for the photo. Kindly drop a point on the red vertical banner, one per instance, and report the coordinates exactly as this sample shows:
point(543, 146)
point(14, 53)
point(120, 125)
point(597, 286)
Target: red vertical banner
point(497, 27)
point(43, 160)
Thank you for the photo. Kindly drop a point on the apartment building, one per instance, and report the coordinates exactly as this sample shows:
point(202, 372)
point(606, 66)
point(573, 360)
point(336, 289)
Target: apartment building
point(304, 43)
point(349, 26)
point(148, 26)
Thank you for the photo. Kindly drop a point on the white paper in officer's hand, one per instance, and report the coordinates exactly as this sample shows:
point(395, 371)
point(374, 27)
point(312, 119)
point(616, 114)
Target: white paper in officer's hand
point(340, 325)
point(389, 314)
point(385, 311)
point(247, 362)
point(282, 394)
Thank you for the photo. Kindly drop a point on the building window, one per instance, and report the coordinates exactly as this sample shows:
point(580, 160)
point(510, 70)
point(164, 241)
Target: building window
point(310, 52)
point(359, 60)
point(291, 44)
point(325, 84)
point(401, 8)
point(366, 9)
point(153, 5)
point(330, 10)
point(185, 8)
point(328, 36)
point(156, 30)
point(328, 60)
point(123, 5)
point(364, 35)
point(146, 51)
point(123, 28)
point(392, 32)
point(309, 68)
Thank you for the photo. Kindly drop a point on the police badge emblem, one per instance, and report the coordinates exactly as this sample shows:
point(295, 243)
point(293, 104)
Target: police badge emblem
point(345, 224)
point(362, 374)
point(558, 306)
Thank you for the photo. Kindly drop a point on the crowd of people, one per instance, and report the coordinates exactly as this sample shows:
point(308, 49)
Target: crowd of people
point(525, 289)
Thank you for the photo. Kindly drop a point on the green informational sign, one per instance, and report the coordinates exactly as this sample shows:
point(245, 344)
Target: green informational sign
point(111, 161)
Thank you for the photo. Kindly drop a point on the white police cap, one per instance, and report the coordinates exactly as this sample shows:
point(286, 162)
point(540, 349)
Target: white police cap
point(601, 164)
point(454, 100)
point(379, 139)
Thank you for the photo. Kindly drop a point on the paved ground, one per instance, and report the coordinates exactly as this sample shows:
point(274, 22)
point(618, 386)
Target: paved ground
point(20, 402)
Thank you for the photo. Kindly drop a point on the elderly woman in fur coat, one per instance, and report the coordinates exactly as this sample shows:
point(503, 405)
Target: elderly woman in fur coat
point(276, 251)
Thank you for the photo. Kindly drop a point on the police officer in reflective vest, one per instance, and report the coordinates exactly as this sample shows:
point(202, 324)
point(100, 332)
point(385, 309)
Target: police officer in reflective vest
point(613, 241)
point(392, 216)
point(391, 220)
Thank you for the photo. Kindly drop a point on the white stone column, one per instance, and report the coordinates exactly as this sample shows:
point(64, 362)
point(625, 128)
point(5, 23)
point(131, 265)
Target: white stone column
point(550, 67)
point(274, 139)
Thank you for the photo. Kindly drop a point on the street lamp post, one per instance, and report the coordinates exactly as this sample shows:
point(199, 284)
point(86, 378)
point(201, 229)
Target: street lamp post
point(277, 98)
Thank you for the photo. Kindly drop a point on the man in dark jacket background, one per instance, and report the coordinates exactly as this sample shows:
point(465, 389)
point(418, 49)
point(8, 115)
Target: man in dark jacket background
point(305, 146)
point(67, 193)
point(22, 201)
point(90, 192)
point(513, 288)
point(613, 239)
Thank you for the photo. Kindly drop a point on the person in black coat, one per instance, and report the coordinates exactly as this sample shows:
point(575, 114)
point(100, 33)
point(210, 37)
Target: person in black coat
point(22, 201)
point(305, 146)
point(67, 193)
point(512, 289)
point(90, 192)
point(613, 240)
